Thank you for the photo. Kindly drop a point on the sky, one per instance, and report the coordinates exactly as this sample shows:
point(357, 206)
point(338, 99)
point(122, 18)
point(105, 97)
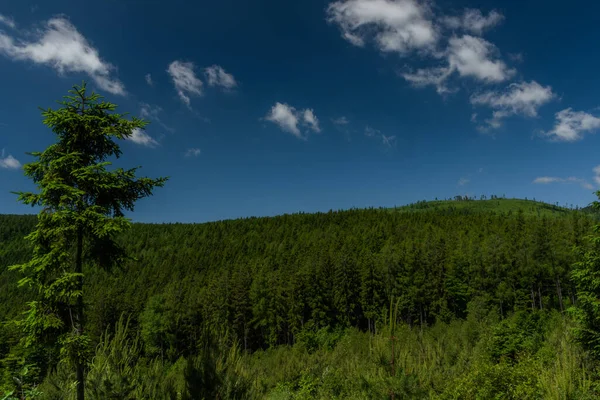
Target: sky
point(269, 107)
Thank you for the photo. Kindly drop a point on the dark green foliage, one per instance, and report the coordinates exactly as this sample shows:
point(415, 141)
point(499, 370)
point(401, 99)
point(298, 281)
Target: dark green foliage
point(586, 276)
point(316, 281)
point(82, 209)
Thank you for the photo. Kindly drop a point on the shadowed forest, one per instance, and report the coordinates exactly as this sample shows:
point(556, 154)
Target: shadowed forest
point(470, 295)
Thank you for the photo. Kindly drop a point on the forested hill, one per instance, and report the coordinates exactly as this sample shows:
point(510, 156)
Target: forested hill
point(284, 280)
point(269, 278)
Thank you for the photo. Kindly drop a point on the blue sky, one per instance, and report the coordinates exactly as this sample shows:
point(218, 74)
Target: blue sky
point(269, 107)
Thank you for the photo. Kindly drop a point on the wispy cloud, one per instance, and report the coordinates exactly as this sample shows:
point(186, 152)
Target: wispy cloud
point(9, 162)
point(288, 119)
point(216, 76)
point(61, 46)
point(544, 180)
point(150, 112)
point(516, 57)
point(8, 21)
point(140, 137)
point(185, 80)
point(340, 121)
point(388, 141)
point(572, 125)
point(473, 21)
point(192, 152)
point(523, 98)
point(148, 78)
point(463, 181)
point(430, 77)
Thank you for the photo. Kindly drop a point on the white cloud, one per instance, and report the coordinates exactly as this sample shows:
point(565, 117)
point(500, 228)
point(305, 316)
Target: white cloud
point(62, 47)
point(192, 152)
point(463, 181)
point(371, 132)
point(547, 179)
point(430, 76)
point(468, 56)
point(472, 56)
point(142, 138)
point(516, 57)
point(388, 141)
point(341, 121)
point(285, 117)
point(217, 76)
point(571, 125)
point(151, 112)
point(398, 25)
point(517, 99)
point(544, 180)
point(474, 21)
point(8, 21)
point(185, 80)
point(311, 120)
point(149, 81)
point(288, 118)
point(9, 162)
point(597, 174)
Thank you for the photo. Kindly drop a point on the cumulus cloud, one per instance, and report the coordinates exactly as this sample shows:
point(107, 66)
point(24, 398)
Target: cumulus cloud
point(544, 180)
point(468, 56)
point(185, 80)
point(397, 25)
point(140, 137)
point(217, 76)
point(8, 21)
point(192, 152)
point(310, 119)
point(149, 80)
point(523, 98)
point(288, 119)
point(9, 162)
point(572, 125)
point(285, 117)
point(60, 46)
point(473, 21)
point(474, 57)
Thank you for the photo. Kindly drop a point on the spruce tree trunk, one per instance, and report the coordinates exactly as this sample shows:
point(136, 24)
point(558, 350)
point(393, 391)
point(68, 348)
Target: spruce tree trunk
point(79, 311)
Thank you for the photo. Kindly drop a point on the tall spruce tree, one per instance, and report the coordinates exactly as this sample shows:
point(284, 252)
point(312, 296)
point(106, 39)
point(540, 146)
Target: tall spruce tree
point(83, 206)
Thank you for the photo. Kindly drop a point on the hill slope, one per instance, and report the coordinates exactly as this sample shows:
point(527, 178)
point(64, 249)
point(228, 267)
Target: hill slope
point(298, 279)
